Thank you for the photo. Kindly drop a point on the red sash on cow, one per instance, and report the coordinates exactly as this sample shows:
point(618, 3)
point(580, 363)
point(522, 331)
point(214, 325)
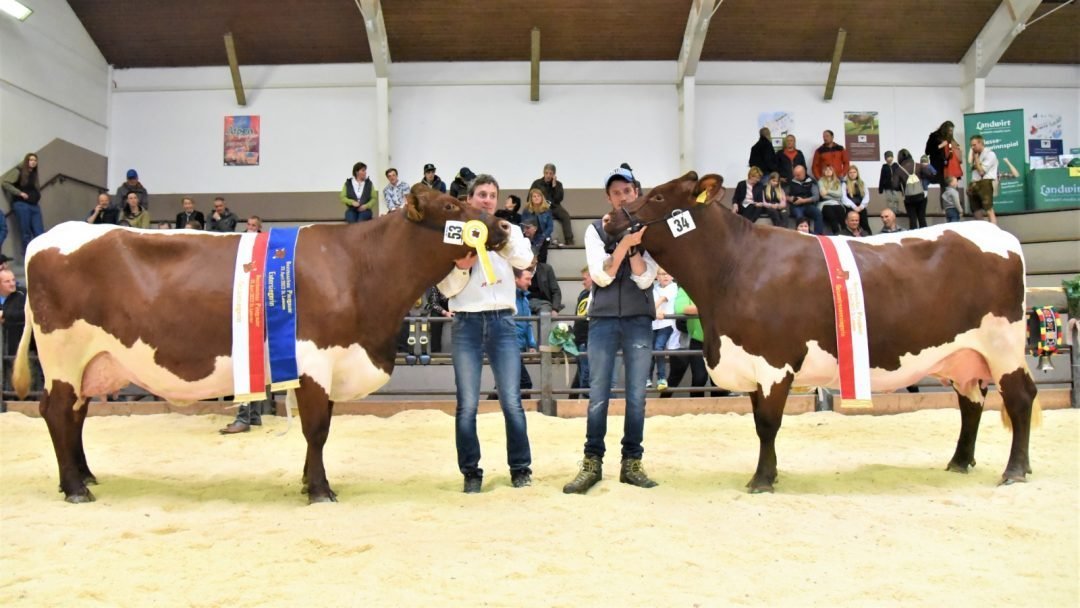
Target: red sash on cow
point(248, 353)
point(853, 353)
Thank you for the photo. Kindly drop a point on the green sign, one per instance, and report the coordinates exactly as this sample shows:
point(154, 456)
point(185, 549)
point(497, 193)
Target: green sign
point(1054, 189)
point(1003, 133)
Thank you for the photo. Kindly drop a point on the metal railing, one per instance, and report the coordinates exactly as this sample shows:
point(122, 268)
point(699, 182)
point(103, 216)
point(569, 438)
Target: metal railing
point(548, 358)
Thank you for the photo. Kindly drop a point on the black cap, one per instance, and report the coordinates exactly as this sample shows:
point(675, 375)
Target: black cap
point(466, 174)
point(4, 259)
point(429, 167)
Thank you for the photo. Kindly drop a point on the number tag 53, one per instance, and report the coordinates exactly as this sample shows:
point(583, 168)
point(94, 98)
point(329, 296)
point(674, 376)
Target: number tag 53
point(452, 233)
point(680, 223)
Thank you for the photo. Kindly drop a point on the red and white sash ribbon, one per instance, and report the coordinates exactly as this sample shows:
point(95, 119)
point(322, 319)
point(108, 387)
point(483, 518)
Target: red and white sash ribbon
point(851, 338)
point(248, 344)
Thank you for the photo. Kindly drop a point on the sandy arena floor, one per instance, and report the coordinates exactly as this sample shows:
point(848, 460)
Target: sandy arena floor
point(864, 514)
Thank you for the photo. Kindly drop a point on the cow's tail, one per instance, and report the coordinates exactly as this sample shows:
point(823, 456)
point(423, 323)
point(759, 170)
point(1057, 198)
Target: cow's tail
point(20, 374)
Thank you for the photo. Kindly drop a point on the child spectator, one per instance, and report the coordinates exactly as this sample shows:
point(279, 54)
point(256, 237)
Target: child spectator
point(664, 293)
point(886, 186)
point(773, 196)
point(511, 210)
point(803, 225)
point(539, 208)
point(950, 200)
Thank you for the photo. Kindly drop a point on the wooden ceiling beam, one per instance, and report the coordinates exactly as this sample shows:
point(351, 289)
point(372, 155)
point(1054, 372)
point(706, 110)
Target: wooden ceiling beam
point(697, 27)
point(1000, 30)
point(372, 12)
point(234, 67)
point(834, 69)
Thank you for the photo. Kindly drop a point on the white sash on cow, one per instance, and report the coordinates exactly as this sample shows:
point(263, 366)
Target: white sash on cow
point(853, 352)
point(248, 343)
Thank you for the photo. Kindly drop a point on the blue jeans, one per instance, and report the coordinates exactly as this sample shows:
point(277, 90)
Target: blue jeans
point(493, 333)
point(354, 215)
point(951, 215)
point(30, 222)
point(3, 229)
point(581, 379)
point(606, 335)
point(660, 340)
point(809, 210)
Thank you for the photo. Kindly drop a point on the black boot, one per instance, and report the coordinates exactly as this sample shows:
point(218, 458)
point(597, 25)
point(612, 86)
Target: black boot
point(634, 474)
point(590, 473)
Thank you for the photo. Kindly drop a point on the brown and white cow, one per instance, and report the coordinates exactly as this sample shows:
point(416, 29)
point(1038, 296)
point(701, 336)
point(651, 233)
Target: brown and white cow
point(110, 306)
point(946, 301)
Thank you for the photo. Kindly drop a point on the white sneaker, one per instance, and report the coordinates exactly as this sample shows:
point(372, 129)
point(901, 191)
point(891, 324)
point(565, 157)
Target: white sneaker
point(648, 384)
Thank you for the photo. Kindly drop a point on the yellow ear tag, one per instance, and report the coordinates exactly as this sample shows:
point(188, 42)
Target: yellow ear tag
point(701, 198)
point(475, 236)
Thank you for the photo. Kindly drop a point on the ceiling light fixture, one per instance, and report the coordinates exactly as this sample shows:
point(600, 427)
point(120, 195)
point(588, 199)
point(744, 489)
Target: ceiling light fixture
point(16, 9)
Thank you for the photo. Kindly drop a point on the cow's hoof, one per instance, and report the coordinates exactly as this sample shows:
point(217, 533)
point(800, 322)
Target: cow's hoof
point(80, 497)
point(90, 480)
point(1007, 478)
point(760, 486)
point(957, 467)
point(313, 499)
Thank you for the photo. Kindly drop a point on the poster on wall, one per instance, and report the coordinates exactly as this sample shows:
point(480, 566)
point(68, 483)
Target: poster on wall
point(1045, 153)
point(1044, 126)
point(862, 135)
point(1003, 133)
point(779, 125)
point(241, 141)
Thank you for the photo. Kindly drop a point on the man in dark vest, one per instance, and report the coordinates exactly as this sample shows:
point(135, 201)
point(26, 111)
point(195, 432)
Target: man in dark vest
point(621, 312)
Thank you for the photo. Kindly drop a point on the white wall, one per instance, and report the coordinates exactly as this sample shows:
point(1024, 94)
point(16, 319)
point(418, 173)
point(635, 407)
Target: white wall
point(586, 130)
point(53, 83)
point(315, 123)
point(318, 120)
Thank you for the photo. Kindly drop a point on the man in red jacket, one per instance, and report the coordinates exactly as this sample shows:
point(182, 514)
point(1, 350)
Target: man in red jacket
point(832, 154)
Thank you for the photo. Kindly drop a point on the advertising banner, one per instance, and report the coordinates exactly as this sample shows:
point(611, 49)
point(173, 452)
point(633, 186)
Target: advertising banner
point(241, 141)
point(1003, 132)
point(862, 135)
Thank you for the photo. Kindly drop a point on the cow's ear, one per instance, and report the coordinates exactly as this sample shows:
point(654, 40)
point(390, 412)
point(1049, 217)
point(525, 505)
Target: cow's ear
point(412, 208)
point(709, 188)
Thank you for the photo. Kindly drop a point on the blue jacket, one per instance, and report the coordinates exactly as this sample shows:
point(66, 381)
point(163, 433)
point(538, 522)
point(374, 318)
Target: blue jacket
point(525, 337)
point(543, 220)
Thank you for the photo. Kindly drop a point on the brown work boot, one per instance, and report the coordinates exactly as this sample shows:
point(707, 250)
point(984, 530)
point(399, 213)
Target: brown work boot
point(590, 473)
point(634, 474)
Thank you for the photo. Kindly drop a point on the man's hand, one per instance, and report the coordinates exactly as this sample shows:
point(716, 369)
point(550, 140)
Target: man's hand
point(634, 238)
point(216, 216)
point(24, 195)
point(466, 262)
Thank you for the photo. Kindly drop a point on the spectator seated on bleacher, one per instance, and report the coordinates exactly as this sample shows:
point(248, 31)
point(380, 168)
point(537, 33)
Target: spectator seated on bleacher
point(803, 196)
point(103, 212)
point(189, 214)
point(134, 214)
point(544, 291)
point(221, 219)
point(511, 210)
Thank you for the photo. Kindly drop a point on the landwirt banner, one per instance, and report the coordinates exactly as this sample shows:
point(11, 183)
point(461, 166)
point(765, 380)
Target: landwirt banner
point(862, 135)
point(1003, 132)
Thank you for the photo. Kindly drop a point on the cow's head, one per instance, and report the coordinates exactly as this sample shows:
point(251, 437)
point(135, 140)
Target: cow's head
point(433, 209)
point(663, 202)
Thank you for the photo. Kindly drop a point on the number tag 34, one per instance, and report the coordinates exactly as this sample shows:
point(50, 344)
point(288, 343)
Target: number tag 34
point(452, 233)
point(680, 223)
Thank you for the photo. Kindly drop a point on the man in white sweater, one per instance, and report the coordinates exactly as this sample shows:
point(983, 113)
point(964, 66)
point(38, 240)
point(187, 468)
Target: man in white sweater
point(484, 323)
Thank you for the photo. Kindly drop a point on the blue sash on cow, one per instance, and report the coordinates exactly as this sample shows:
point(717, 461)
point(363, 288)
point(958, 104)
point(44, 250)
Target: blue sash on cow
point(281, 308)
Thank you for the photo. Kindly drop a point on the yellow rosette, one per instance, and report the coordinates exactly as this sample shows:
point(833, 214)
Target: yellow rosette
point(475, 236)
